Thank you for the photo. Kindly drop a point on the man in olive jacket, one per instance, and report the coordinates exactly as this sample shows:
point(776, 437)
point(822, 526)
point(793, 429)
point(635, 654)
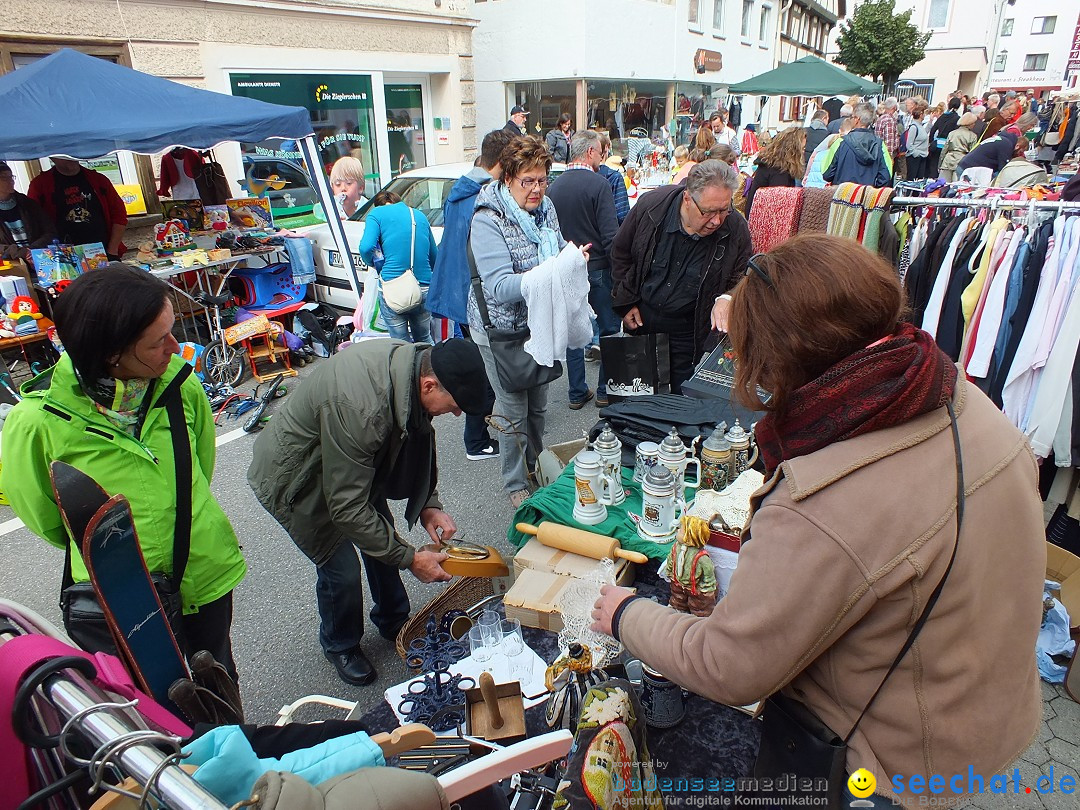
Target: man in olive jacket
point(674, 259)
point(358, 431)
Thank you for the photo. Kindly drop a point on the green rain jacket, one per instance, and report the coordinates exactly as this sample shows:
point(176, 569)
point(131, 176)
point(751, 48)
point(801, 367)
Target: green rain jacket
point(56, 421)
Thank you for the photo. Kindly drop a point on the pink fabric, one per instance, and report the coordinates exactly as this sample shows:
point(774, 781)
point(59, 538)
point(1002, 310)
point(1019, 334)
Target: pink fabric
point(775, 216)
point(23, 654)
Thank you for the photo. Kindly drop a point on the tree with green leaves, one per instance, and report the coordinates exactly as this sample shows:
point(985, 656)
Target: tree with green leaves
point(877, 42)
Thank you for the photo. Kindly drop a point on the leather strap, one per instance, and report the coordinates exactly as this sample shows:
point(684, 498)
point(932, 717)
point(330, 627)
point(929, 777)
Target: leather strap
point(960, 498)
point(173, 400)
point(478, 289)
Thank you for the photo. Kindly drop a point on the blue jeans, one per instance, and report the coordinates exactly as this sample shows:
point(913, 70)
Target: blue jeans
point(413, 326)
point(340, 596)
point(607, 323)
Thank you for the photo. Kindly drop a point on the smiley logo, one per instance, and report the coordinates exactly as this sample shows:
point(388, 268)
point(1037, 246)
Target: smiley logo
point(861, 783)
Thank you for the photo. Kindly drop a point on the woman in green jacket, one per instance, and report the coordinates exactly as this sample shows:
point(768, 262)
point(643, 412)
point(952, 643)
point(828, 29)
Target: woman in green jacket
point(101, 410)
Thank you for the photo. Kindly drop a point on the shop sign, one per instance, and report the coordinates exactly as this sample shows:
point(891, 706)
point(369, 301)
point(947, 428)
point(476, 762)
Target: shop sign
point(708, 61)
point(442, 130)
point(1073, 65)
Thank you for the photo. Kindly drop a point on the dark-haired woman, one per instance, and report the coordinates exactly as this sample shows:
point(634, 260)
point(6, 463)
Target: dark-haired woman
point(558, 139)
point(867, 436)
point(103, 409)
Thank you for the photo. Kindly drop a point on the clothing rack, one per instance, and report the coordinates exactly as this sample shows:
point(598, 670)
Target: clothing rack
point(118, 742)
point(994, 203)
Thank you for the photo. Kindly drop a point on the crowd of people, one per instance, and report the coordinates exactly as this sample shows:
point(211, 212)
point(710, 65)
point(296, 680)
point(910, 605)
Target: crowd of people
point(860, 400)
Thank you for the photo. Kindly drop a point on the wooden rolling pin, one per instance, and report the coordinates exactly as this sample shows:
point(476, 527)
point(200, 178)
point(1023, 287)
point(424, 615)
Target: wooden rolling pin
point(491, 700)
point(578, 541)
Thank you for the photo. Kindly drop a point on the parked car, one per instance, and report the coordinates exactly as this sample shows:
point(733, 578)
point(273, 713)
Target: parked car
point(424, 189)
point(295, 197)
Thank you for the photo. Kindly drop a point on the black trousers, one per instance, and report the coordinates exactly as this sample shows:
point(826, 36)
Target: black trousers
point(680, 332)
point(209, 630)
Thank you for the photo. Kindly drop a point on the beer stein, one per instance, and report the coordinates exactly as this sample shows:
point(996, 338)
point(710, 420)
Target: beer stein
point(661, 505)
point(716, 454)
point(662, 701)
point(594, 488)
point(676, 456)
point(646, 457)
point(609, 447)
point(744, 451)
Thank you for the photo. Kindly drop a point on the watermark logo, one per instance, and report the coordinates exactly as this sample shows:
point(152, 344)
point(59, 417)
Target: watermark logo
point(861, 785)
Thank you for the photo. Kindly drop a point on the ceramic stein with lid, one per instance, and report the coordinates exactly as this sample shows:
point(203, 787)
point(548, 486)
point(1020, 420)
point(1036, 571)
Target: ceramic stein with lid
point(677, 457)
point(744, 451)
point(661, 505)
point(716, 460)
point(609, 447)
point(594, 488)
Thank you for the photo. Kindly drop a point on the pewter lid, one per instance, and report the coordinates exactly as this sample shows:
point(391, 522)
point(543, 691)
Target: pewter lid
point(659, 477)
point(607, 440)
point(587, 458)
point(737, 434)
point(673, 443)
point(717, 440)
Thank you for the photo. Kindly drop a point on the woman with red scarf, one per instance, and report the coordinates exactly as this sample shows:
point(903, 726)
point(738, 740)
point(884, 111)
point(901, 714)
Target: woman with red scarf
point(861, 521)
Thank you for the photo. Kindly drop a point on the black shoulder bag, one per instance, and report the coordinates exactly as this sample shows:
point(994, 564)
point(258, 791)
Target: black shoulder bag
point(794, 740)
point(84, 619)
point(516, 368)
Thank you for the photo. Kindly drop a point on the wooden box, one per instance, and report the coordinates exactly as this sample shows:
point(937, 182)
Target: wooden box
point(536, 556)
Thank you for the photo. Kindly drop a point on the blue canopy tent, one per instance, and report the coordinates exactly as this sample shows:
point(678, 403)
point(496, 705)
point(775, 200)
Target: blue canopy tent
point(77, 105)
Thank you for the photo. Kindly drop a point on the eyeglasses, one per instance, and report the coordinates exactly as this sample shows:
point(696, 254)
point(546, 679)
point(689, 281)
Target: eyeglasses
point(753, 267)
point(529, 183)
point(720, 212)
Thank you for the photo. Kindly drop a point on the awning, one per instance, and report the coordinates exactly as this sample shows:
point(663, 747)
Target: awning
point(808, 76)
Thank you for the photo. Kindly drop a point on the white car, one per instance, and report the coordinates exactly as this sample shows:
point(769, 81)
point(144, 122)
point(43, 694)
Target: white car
point(423, 189)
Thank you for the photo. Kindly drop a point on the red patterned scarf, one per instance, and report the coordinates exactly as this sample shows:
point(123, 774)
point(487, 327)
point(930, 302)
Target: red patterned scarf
point(885, 384)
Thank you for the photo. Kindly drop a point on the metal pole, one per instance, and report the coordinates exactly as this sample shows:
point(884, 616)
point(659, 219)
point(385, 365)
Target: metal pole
point(984, 203)
point(70, 693)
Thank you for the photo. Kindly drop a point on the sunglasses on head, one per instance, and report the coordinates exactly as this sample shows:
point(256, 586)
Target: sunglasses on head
point(753, 267)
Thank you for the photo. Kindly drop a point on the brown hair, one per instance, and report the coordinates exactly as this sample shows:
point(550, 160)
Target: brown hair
point(786, 152)
point(524, 154)
point(704, 140)
point(385, 198)
point(829, 297)
point(723, 152)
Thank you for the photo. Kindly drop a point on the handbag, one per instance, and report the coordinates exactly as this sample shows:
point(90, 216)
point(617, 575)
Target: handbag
point(403, 294)
point(795, 741)
point(80, 606)
point(517, 369)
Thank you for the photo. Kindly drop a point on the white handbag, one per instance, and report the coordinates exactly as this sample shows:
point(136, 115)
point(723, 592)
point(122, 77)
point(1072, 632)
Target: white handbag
point(402, 294)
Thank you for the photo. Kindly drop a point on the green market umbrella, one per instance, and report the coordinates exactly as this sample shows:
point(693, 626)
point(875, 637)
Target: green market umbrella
point(808, 76)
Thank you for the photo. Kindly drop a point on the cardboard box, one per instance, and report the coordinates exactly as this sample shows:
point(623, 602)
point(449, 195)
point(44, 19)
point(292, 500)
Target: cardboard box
point(1064, 567)
point(534, 599)
point(553, 460)
point(536, 556)
point(19, 269)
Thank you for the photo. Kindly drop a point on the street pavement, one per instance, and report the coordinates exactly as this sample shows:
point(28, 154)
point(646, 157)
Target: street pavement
point(275, 627)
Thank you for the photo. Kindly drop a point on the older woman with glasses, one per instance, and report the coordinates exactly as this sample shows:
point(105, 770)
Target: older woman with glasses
point(514, 229)
point(901, 513)
point(674, 259)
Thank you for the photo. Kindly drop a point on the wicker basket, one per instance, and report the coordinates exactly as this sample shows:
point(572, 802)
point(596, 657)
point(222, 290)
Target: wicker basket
point(462, 594)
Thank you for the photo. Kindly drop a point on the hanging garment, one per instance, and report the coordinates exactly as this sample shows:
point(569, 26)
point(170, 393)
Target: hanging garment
point(815, 210)
point(1048, 409)
point(1011, 241)
point(923, 277)
point(969, 260)
point(774, 216)
point(992, 308)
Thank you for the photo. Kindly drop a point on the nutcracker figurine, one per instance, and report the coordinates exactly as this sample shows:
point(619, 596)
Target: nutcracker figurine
point(693, 575)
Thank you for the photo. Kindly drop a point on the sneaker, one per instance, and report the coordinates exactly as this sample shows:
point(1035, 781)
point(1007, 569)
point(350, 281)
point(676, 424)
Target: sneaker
point(519, 497)
point(592, 354)
point(576, 406)
point(491, 451)
point(601, 401)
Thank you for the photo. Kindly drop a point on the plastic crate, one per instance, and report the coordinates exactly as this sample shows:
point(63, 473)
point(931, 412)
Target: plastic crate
point(266, 287)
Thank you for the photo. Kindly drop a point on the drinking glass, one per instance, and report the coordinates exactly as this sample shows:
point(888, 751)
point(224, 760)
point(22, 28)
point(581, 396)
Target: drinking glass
point(479, 647)
point(489, 624)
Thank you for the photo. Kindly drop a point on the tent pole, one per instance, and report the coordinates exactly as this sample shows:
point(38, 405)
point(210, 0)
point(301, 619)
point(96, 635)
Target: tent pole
point(326, 198)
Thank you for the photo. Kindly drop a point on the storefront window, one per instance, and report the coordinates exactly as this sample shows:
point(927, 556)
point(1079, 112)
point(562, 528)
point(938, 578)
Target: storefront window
point(619, 107)
point(694, 103)
point(546, 101)
point(405, 127)
point(343, 117)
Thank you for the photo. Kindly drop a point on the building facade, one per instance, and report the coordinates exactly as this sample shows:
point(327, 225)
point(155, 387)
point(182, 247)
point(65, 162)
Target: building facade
point(389, 82)
point(1034, 39)
point(806, 27)
point(661, 66)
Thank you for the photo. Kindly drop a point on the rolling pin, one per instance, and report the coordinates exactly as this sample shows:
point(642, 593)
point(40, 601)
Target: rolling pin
point(578, 541)
point(491, 700)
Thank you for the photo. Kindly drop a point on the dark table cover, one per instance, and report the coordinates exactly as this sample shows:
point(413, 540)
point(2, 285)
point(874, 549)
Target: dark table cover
point(713, 742)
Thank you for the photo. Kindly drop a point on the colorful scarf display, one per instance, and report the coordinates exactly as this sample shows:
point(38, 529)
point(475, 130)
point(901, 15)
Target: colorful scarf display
point(774, 216)
point(885, 384)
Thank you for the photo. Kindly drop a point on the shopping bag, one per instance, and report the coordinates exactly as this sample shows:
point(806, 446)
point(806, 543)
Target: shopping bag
point(635, 365)
point(368, 316)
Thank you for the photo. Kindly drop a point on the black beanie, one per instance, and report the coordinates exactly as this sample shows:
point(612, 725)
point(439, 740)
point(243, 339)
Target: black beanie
point(460, 369)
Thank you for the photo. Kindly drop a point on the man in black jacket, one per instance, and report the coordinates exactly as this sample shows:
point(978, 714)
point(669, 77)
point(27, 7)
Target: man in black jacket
point(676, 257)
point(816, 133)
point(946, 123)
point(586, 210)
